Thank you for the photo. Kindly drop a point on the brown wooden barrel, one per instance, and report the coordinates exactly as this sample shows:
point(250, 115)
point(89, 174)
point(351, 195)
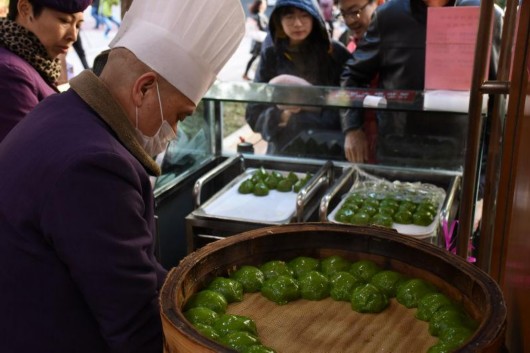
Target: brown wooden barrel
point(397, 332)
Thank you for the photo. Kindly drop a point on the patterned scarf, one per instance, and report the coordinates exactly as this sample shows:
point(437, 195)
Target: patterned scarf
point(25, 44)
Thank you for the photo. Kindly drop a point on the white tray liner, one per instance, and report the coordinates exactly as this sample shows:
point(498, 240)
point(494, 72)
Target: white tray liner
point(276, 207)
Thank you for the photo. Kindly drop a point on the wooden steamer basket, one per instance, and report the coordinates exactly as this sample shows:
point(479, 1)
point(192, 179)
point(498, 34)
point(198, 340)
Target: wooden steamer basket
point(329, 326)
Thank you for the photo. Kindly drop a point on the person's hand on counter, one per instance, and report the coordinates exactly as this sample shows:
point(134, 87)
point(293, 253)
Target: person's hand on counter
point(356, 146)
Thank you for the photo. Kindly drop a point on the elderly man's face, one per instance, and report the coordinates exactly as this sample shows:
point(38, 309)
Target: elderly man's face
point(357, 14)
point(179, 107)
point(175, 107)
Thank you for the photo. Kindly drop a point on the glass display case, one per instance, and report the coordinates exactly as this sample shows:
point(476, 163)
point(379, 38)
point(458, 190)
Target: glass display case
point(425, 143)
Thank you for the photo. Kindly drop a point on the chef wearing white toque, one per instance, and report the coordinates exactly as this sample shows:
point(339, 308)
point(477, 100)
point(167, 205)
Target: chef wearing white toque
point(82, 272)
point(187, 42)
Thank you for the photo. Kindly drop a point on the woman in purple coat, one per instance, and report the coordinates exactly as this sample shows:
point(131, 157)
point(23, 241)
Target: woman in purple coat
point(32, 37)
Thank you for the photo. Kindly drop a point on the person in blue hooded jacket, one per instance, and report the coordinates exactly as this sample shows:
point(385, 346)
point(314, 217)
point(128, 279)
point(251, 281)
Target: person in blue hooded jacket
point(298, 51)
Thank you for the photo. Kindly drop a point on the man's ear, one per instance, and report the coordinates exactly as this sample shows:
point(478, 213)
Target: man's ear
point(141, 87)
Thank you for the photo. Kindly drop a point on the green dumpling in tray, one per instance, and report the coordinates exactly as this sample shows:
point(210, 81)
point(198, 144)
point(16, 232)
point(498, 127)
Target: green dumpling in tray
point(207, 331)
point(412, 291)
point(447, 318)
point(342, 285)
point(292, 177)
point(201, 315)
point(260, 189)
point(333, 264)
point(364, 269)
point(368, 298)
point(345, 214)
point(231, 289)
point(303, 264)
point(229, 323)
point(250, 277)
point(430, 304)
point(246, 187)
point(272, 181)
point(382, 220)
point(388, 281)
point(209, 299)
point(275, 268)
point(239, 340)
point(454, 337)
point(284, 185)
point(314, 286)
point(281, 289)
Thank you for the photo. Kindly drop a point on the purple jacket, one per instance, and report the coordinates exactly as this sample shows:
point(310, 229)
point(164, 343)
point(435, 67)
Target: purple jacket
point(21, 88)
point(77, 270)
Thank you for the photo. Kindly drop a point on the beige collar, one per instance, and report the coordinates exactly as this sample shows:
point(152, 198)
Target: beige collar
point(94, 92)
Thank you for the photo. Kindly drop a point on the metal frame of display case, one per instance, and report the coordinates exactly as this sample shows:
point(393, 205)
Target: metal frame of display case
point(202, 228)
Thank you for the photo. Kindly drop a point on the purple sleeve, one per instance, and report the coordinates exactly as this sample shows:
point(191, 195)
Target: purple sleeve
point(18, 96)
point(98, 218)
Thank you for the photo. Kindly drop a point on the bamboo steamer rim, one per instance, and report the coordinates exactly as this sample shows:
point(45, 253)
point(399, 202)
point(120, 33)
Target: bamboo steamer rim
point(174, 320)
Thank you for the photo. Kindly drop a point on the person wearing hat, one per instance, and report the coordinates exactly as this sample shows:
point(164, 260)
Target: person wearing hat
point(32, 37)
point(77, 265)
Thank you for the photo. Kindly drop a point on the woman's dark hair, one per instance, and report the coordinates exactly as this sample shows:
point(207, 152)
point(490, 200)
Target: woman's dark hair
point(13, 10)
point(254, 7)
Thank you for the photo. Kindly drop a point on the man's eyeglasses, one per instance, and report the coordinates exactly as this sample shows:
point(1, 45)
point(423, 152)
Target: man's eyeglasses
point(351, 14)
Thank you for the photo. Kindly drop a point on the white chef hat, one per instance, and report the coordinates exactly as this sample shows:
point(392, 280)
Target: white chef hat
point(185, 41)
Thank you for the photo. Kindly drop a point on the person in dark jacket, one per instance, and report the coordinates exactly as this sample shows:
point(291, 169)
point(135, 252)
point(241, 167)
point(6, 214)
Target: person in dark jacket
point(80, 51)
point(77, 266)
point(257, 31)
point(32, 37)
point(394, 49)
point(356, 15)
point(298, 45)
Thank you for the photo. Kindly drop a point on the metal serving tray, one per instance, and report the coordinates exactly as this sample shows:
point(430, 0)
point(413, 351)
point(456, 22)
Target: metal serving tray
point(420, 232)
point(353, 178)
point(274, 208)
point(228, 203)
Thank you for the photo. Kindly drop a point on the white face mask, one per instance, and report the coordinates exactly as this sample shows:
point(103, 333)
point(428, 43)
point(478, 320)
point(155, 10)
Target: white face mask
point(156, 144)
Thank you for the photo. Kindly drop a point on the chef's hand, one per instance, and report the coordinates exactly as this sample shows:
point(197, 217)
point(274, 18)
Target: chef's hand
point(356, 146)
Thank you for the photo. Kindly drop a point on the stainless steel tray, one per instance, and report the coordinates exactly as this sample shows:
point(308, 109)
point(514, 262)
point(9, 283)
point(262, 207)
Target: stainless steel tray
point(420, 232)
point(275, 208)
point(363, 180)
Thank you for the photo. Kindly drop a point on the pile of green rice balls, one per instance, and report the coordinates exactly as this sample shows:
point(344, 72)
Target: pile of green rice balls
point(363, 284)
point(262, 181)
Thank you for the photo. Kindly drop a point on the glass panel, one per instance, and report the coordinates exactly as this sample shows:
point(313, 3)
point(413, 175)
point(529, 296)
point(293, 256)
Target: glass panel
point(399, 129)
point(190, 150)
point(313, 95)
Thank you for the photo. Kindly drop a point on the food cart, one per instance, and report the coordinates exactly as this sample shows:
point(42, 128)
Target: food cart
point(503, 246)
